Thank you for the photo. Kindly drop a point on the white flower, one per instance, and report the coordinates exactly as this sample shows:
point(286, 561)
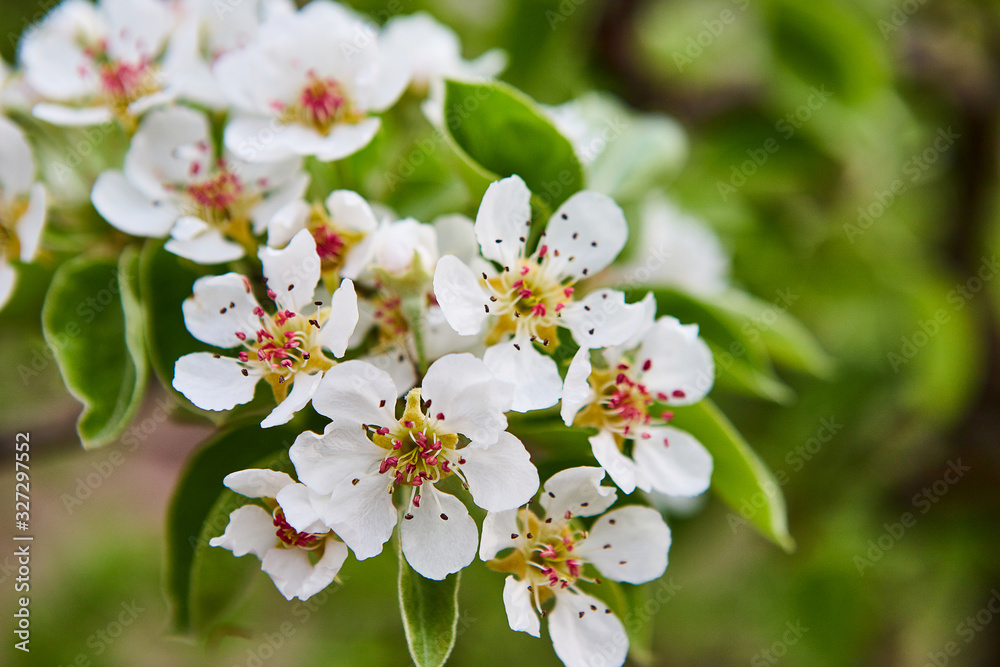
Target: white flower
point(665, 364)
point(284, 535)
point(368, 451)
point(96, 63)
point(342, 229)
point(675, 249)
point(308, 86)
point(208, 29)
point(22, 205)
point(174, 183)
point(432, 51)
point(532, 296)
point(285, 348)
point(549, 555)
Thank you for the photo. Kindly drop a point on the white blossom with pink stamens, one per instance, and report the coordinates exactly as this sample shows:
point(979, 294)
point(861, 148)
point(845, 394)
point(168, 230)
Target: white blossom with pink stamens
point(629, 398)
point(174, 183)
point(309, 85)
point(453, 425)
point(22, 205)
point(531, 296)
point(550, 555)
point(94, 63)
point(288, 347)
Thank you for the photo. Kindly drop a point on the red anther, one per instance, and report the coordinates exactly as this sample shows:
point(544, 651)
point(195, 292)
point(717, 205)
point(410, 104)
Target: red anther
point(432, 461)
point(560, 306)
point(542, 250)
point(677, 393)
point(623, 367)
point(444, 465)
point(538, 310)
point(399, 477)
point(241, 335)
point(436, 445)
point(567, 515)
point(287, 363)
point(524, 293)
point(258, 311)
point(271, 294)
point(524, 270)
point(387, 463)
point(383, 431)
point(666, 442)
point(660, 396)
point(646, 365)
point(416, 500)
point(568, 291)
point(646, 436)
point(440, 415)
point(244, 356)
point(397, 444)
point(517, 284)
point(408, 424)
point(461, 461)
point(667, 415)
point(417, 481)
point(548, 552)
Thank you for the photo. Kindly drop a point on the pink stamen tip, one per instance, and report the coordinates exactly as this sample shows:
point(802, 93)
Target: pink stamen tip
point(677, 393)
point(397, 444)
point(258, 311)
point(271, 294)
point(539, 310)
point(647, 364)
point(660, 396)
point(541, 251)
point(568, 291)
point(666, 442)
point(241, 335)
point(548, 552)
point(417, 481)
point(525, 270)
point(560, 306)
point(646, 436)
point(517, 284)
point(524, 293)
point(408, 424)
point(440, 415)
point(383, 431)
point(567, 515)
point(416, 500)
point(667, 416)
point(621, 379)
point(244, 356)
point(399, 477)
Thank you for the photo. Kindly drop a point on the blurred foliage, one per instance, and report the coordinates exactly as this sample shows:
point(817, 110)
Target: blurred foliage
point(846, 152)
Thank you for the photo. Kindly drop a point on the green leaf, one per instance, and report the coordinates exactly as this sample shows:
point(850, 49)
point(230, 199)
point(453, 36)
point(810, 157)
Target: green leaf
point(787, 340)
point(504, 131)
point(735, 374)
point(93, 322)
point(198, 507)
point(739, 477)
point(430, 614)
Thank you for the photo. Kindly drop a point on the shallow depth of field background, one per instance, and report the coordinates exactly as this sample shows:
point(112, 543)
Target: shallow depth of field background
point(859, 96)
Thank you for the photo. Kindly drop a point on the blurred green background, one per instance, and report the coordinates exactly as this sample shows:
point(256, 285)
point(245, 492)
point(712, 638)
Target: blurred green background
point(879, 212)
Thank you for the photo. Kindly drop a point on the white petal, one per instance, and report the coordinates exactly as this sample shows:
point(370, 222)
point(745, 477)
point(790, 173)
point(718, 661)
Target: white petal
point(325, 570)
point(497, 530)
point(576, 393)
point(588, 230)
point(349, 209)
point(397, 363)
point(342, 141)
point(286, 223)
point(535, 376)
point(208, 247)
point(337, 330)
point(289, 569)
point(301, 507)
point(504, 217)
point(357, 393)
point(342, 454)
point(580, 634)
point(501, 476)
point(577, 491)
point(250, 531)
point(674, 462)
point(620, 467)
point(456, 236)
point(679, 361)
point(603, 319)
point(213, 383)
point(436, 546)
point(8, 279)
point(471, 400)
point(170, 147)
point(292, 272)
point(463, 300)
point(362, 514)
point(521, 615)
point(127, 209)
point(303, 387)
point(66, 116)
point(293, 190)
point(219, 307)
point(29, 227)
point(646, 323)
point(258, 482)
point(628, 544)
point(17, 166)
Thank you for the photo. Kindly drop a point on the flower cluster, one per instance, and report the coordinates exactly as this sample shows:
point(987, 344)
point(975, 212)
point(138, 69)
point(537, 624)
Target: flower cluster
point(424, 346)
